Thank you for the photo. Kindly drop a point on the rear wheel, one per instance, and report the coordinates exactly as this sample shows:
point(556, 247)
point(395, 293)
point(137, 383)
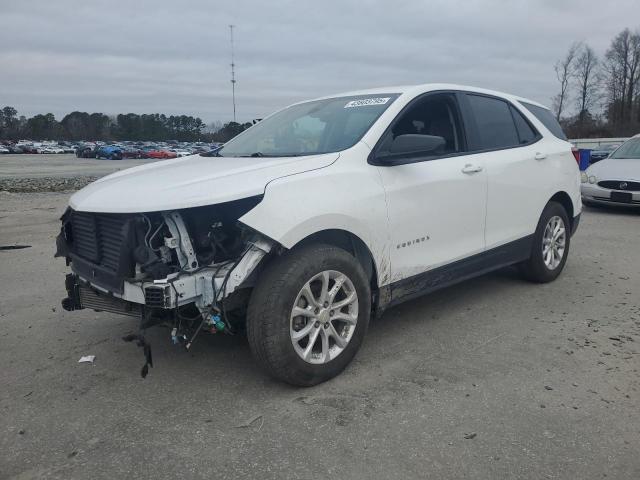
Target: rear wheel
point(308, 314)
point(550, 245)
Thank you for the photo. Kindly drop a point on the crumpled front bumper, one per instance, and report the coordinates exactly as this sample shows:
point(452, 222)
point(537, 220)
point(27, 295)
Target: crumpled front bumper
point(202, 288)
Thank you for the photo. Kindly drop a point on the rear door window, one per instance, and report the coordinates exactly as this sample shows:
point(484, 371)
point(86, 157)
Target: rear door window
point(494, 123)
point(546, 118)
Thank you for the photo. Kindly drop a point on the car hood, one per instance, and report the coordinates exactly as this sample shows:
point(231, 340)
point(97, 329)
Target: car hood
point(616, 169)
point(190, 181)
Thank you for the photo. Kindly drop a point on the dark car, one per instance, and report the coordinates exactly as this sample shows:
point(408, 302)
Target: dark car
point(132, 152)
point(29, 148)
point(86, 151)
point(602, 151)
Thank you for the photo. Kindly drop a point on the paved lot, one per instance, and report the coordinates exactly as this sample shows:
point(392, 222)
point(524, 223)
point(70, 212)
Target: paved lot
point(493, 378)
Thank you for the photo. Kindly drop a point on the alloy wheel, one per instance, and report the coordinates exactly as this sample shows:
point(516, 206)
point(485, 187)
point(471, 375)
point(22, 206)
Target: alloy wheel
point(554, 242)
point(323, 317)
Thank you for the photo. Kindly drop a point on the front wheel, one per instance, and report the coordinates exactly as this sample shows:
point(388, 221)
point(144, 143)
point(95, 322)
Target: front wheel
point(550, 245)
point(308, 314)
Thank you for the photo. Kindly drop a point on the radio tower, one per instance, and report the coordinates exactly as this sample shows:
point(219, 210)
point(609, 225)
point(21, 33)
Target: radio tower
point(233, 74)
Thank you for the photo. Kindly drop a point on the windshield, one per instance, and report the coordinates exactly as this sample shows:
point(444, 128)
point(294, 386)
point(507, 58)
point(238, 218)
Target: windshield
point(321, 126)
point(629, 149)
point(607, 147)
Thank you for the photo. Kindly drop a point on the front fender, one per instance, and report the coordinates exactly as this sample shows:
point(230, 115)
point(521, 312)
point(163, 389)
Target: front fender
point(348, 195)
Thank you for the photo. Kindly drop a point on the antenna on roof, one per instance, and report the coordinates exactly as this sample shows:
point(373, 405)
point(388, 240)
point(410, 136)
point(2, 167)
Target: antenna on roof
point(233, 74)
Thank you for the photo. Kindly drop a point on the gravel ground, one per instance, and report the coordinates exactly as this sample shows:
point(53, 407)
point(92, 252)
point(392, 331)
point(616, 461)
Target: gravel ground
point(55, 173)
point(492, 378)
point(44, 184)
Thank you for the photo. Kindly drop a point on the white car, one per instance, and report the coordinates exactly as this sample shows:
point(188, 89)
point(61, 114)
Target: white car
point(322, 215)
point(616, 179)
point(182, 153)
point(4, 149)
point(50, 149)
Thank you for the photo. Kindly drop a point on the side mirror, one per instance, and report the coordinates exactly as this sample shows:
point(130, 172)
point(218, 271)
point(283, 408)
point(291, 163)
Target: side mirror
point(414, 144)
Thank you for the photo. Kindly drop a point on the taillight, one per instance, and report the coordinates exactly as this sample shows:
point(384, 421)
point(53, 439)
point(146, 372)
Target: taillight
point(576, 154)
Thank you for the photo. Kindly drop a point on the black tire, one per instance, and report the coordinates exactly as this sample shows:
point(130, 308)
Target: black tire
point(534, 269)
point(268, 314)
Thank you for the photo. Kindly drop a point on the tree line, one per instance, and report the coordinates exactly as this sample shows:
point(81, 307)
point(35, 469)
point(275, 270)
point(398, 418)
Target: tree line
point(98, 126)
point(599, 96)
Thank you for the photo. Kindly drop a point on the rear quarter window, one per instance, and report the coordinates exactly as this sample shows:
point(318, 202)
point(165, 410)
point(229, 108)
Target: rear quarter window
point(526, 132)
point(546, 118)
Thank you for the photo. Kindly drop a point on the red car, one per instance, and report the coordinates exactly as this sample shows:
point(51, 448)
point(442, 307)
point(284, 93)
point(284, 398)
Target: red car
point(161, 154)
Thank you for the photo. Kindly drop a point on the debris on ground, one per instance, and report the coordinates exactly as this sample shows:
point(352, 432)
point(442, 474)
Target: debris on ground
point(469, 436)
point(251, 421)
point(87, 359)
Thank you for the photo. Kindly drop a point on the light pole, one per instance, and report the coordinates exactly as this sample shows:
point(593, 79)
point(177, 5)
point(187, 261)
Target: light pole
point(233, 75)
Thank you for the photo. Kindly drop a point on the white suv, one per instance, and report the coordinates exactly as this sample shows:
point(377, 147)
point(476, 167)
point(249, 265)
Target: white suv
point(324, 214)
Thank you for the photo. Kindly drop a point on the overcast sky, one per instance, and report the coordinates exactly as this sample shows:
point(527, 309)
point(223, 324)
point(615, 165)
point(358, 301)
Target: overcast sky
point(172, 56)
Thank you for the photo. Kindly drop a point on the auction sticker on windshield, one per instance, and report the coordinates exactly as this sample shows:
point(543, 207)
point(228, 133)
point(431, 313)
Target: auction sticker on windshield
point(367, 101)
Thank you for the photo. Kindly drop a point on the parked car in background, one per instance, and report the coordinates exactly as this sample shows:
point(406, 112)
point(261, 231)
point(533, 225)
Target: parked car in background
point(211, 153)
point(324, 214)
point(50, 149)
point(616, 179)
point(161, 153)
point(181, 153)
point(29, 148)
point(67, 147)
point(132, 152)
point(15, 148)
point(4, 149)
point(86, 151)
point(110, 152)
point(602, 151)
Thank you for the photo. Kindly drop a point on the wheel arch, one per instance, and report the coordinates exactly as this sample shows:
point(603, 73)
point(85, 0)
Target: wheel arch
point(564, 199)
point(351, 243)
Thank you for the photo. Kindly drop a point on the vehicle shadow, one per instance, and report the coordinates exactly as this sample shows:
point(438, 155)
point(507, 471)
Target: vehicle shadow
point(609, 209)
point(229, 356)
point(461, 296)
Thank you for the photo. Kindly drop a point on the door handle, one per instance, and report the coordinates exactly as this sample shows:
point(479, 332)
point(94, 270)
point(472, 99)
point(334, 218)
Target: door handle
point(470, 168)
point(540, 156)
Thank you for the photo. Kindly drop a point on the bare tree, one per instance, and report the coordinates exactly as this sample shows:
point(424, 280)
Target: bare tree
point(622, 69)
point(586, 80)
point(565, 71)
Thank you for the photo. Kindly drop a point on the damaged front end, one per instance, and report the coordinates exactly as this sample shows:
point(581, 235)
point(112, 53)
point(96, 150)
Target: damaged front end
point(189, 269)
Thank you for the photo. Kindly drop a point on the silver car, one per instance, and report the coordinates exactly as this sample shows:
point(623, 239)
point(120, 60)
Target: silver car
point(616, 179)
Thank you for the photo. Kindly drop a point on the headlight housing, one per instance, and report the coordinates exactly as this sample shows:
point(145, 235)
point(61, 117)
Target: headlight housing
point(592, 179)
point(584, 178)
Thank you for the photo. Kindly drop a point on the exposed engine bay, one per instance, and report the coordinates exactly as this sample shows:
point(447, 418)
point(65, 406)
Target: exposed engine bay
point(191, 269)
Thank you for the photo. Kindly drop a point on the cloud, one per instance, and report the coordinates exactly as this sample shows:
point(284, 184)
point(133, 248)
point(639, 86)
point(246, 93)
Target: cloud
point(173, 57)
